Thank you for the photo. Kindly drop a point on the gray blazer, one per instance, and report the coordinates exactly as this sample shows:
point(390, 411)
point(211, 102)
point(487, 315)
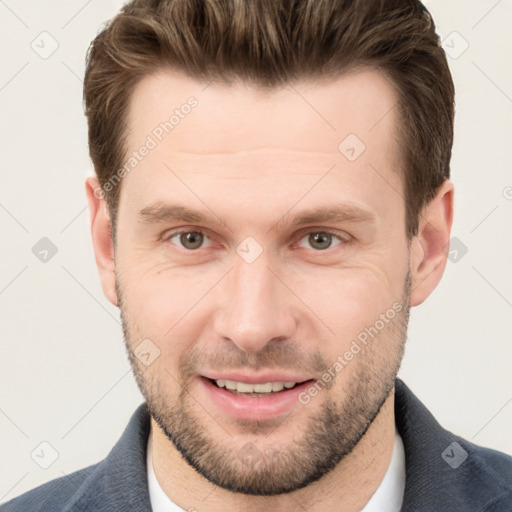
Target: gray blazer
point(443, 471)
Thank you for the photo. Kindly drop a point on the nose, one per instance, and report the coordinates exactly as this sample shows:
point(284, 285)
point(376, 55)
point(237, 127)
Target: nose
point(255, 307)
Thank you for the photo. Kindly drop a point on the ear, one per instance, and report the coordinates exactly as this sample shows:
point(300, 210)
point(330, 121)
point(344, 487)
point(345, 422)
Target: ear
point(102, 238)
point(429, 248)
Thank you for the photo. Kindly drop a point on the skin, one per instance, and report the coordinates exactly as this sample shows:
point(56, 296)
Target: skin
point(295, 307)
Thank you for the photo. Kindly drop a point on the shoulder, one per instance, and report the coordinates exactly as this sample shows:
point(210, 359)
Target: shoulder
point(51, 496)
point(485, 477)
point(118, 482)
point(494, 464)
point(445, 472)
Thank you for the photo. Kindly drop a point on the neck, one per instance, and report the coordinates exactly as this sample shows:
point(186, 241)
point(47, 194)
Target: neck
point(347, 488)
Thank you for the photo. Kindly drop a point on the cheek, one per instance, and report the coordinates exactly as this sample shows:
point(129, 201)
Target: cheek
point(366, 317)
point(151, 284)
point(162, 303)
point(349, 299)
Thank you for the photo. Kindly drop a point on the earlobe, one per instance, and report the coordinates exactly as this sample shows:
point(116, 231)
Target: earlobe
point(102, 242)
point(429, 249)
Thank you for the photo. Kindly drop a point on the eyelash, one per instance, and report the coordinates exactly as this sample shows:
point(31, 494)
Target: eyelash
point(343, 241)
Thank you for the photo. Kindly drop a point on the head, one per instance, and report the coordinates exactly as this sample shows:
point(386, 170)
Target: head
point(272, 196)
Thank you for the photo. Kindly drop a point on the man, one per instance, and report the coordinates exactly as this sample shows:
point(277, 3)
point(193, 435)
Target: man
point(271, 197)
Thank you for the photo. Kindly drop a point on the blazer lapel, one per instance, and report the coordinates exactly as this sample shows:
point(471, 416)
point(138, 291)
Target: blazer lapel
point(120, 481)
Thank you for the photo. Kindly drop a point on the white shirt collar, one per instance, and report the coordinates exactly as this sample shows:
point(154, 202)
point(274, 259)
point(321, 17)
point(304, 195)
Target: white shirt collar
point(160, 502)
point(389, 495)
point(387, 498)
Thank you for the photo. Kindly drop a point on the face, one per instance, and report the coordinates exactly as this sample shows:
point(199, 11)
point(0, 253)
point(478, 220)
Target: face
point(260, 249)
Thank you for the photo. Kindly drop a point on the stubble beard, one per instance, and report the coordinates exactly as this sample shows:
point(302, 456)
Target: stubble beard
point(326, 439)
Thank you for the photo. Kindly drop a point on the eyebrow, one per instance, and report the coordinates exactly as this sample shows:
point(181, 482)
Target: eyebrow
point(160, 212)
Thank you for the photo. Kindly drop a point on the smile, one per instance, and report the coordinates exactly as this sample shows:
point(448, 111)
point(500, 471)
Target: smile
point(244, 387)
point(252, 401)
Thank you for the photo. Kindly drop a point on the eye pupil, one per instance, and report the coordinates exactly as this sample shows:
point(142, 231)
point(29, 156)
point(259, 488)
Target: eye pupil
point(316, 238)
point(191, 239)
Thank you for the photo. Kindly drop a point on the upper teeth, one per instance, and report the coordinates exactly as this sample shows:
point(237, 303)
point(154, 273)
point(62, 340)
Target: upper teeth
point(243, 387)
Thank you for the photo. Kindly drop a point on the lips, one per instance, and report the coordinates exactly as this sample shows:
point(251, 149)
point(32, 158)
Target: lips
point(253, 400)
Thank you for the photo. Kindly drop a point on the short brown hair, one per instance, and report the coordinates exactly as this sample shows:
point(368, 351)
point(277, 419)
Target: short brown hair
point(270, 43)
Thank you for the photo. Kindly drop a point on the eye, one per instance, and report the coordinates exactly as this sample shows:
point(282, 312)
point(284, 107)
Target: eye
point(190, 240)
point(322, 240)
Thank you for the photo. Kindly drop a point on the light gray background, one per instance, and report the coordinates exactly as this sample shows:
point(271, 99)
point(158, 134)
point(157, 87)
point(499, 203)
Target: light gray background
point(64, 375)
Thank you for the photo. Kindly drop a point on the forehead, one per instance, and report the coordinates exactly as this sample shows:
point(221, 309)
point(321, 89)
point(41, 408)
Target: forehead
point(238, 147)
point(241, 117)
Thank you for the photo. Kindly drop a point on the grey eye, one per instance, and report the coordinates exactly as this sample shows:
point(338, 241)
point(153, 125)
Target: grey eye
point(190, 239)
point(321, 240)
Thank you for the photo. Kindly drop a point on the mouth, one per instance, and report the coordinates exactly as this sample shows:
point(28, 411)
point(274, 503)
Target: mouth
point(253, 401)
point(253, 390)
